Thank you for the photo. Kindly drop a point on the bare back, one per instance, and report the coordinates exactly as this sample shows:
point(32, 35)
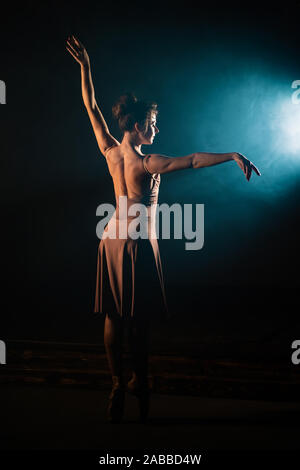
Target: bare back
point(130, 175)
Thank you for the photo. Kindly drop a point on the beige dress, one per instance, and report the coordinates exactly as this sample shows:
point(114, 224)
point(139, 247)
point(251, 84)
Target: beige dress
point(130, 280)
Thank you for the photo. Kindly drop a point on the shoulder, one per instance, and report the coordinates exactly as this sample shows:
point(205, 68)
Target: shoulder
point(156, 163)
point(115, 146)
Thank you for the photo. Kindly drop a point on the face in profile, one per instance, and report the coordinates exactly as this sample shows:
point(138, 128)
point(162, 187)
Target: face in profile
point(151, 131)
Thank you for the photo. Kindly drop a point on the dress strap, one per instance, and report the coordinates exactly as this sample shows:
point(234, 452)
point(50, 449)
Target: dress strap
point(157, 178)
point(144, 163)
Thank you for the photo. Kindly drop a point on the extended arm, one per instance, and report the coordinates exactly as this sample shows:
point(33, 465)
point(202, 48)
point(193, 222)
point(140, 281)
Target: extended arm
point(103, 136)
point(162, 164)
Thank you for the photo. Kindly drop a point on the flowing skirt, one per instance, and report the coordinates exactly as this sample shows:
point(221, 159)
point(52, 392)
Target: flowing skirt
point(130, 281)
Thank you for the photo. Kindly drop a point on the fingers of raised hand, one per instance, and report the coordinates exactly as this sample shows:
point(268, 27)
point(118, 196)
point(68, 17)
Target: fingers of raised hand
point(72, 52)
point(77, 42)
point(72, 48)
point(71, 42)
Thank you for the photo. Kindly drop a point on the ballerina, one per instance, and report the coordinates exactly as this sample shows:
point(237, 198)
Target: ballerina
point(137, 177)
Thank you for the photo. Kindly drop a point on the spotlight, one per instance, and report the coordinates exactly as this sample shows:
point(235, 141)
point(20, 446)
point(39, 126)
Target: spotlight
point(287, 122)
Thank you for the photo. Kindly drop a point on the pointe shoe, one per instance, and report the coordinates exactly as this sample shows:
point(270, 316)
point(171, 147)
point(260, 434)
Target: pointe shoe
point(142, 392)
point(133, 386)
point(115, 407)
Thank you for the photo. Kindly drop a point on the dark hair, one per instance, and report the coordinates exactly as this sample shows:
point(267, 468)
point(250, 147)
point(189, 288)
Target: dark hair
point(128, 110)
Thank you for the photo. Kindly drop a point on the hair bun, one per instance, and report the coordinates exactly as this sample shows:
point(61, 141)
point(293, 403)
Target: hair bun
point(128, 110)
point(124, 105)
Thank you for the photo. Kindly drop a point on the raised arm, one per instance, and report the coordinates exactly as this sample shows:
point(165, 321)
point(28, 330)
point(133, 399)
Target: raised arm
point(162, 164)
point(103, 136)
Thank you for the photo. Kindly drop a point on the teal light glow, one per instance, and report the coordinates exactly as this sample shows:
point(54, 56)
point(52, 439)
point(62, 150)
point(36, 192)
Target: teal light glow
point(287, 125)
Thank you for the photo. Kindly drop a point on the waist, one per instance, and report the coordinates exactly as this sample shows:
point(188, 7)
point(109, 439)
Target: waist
point(147, 200)
point(141, 224)
point(134, 210)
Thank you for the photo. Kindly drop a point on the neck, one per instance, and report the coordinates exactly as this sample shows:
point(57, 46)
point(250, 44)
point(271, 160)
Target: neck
point(132, 141)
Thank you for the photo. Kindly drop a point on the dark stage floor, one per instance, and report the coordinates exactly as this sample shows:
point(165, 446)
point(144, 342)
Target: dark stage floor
point(58, 418)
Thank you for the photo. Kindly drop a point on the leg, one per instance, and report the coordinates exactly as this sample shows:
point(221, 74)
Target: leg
point(138, 341)
point(113, 335)
point(138, 385)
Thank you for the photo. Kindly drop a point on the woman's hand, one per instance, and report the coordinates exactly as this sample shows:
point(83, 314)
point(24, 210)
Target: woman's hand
point(245, 165)
point(78, 51)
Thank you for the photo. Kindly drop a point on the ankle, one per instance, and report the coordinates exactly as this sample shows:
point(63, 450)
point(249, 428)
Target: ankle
point(140, 381)
point(117, 381)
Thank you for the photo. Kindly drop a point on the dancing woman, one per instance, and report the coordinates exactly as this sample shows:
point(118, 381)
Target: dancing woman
point(136, 177)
